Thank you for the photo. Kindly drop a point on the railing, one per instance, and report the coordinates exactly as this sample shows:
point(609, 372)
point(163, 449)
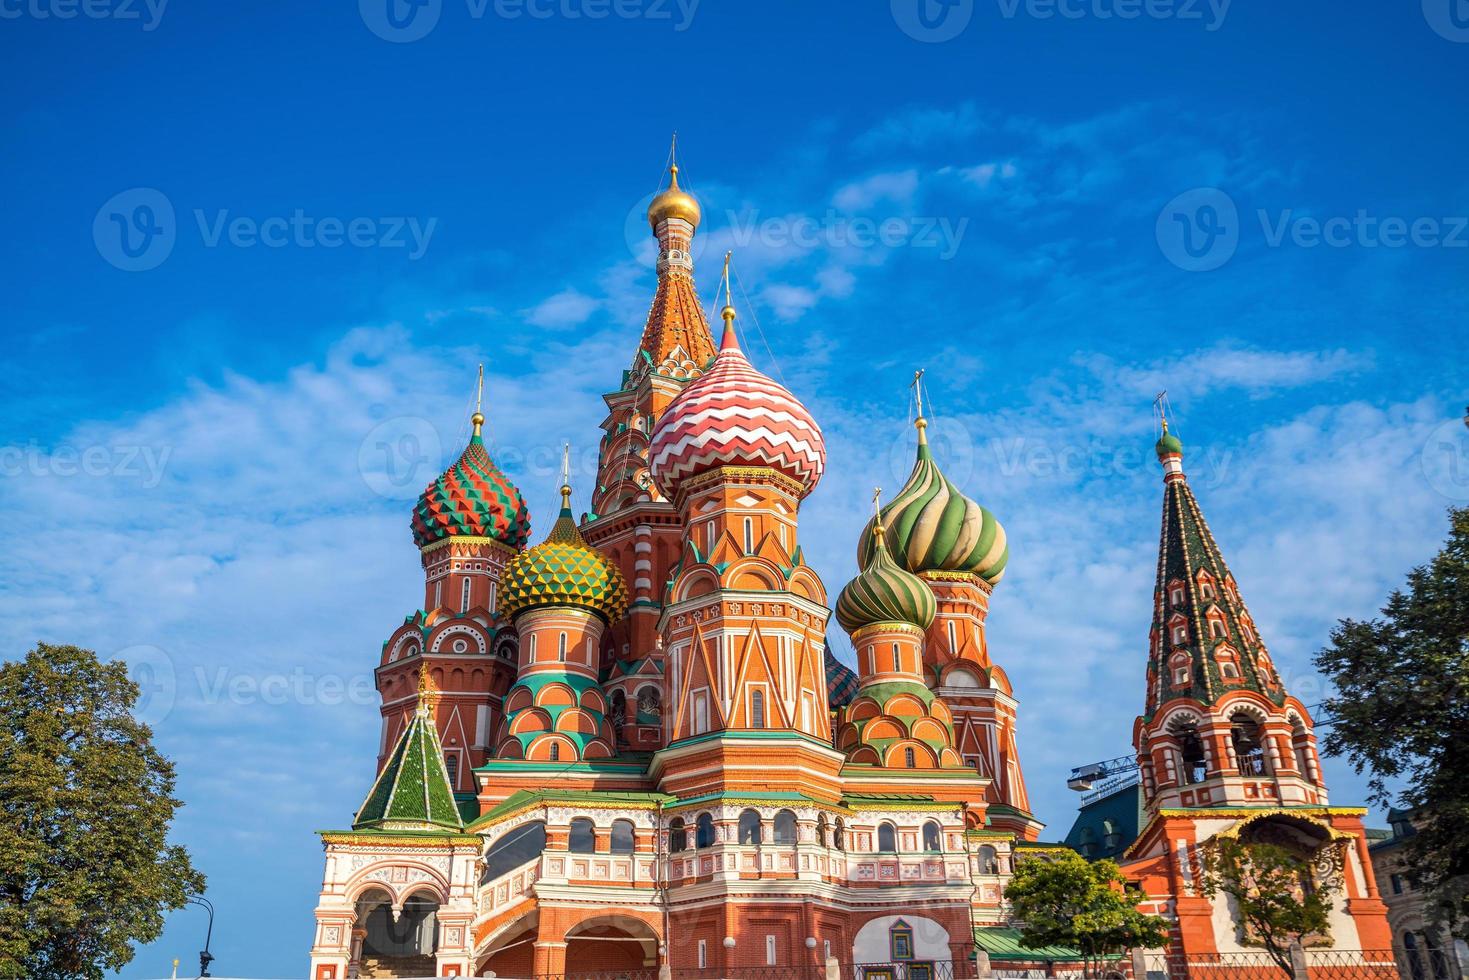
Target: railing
point(1315, 964)
point(915, 969)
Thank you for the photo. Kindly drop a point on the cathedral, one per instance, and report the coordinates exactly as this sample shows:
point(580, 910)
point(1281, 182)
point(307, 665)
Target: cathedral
point(626, 745)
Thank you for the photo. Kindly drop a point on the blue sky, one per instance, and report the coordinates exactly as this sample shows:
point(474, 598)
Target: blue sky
point(1057, 210)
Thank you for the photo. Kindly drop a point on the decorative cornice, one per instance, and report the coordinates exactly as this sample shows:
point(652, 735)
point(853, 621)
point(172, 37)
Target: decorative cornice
point(867, 631)
point(467, 539)
point(740, 475)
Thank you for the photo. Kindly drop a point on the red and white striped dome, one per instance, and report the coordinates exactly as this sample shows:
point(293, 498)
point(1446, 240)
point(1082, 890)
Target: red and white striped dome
point(735, 416)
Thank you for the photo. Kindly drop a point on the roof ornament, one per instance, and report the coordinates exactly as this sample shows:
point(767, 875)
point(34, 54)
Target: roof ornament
point(565, 475)
point(478, 418)
point(1168, 446)
point(919, 423)
point(428, 694)
point(728, 313)
point(877, 528)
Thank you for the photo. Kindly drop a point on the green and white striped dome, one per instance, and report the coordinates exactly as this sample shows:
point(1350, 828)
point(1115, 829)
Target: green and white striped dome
point(932, 527)
point(884, 593)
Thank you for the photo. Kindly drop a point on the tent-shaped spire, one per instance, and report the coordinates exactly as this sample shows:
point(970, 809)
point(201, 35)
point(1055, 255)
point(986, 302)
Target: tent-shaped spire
point(413, 792)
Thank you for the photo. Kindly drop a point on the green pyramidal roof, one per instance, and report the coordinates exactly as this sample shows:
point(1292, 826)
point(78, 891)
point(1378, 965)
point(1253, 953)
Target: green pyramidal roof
point(412, 792)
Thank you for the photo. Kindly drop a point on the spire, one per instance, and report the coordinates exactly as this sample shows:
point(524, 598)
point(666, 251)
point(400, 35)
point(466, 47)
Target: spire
point(413, 790)
point(920, 423)
point(1168, 447)
point(478, 418)
point(728, 341)
point(1205, 643)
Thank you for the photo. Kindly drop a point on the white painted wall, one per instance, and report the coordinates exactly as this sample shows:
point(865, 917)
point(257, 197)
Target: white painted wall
point(930, 940)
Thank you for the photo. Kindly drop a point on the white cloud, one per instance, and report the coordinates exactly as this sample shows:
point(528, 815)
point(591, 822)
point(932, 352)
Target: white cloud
point(897, 187)
point(568, 308)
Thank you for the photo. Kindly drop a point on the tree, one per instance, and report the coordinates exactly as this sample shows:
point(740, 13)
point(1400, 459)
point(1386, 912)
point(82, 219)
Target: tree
point(1088, 906)
point(1273, 889)
point(1401, 710)
point(86, 800)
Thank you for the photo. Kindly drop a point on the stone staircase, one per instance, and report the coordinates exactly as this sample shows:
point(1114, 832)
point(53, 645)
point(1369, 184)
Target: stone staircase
point(397, 966)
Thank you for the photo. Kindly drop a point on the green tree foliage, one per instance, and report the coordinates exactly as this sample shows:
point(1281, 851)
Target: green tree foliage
point(1276, 902)
point(1088, 906)
point(86, 800)
point(1402, 712)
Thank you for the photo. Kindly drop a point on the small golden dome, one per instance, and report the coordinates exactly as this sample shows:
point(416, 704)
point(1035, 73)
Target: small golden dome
point(673, 203)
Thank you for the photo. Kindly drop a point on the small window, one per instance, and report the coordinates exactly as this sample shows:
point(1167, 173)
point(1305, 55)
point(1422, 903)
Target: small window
point(932, 839)
point(582, 838)
point(1206, 590)
point(704, 831)
point(887, 838)
point(439, 594)
point(678, 836)
point(897, 664)
point(1217, 628)
point(989, 861)
point(464, 596)
point(623, 840)
point(555, 751)
point(839, 835)
point(703, 954)
point(1180, 634)
point(561, 649)
point(493, 596)
point(1229, 670)
point(1397, 883)
point(900, 940)
point(451, 763)
point(749, 827)
point(908, 758)
point(757, 709)
point(1180, 677)
point(708, 539)
point(770, 951)
point(953, 638)
point(749, 535)
point(785, 827)
point(532, 648)
point(1177, 597)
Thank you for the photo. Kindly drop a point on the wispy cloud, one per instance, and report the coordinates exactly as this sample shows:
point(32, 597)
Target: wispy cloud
point(568, 308)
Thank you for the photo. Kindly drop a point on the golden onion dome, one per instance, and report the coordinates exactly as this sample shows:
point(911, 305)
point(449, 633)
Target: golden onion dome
point(564, 571)
point(673, 202)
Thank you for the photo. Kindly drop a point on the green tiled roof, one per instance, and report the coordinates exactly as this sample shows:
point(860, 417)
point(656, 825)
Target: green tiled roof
point(412, 792)
point(523, 798)
point(1003, 944)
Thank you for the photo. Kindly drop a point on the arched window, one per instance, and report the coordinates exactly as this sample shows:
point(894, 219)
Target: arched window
point(749, 535)
point(908, 758)
point(704, 831)
point(989, 861)
point(561, 649)
point(555, 751)
point(1217, 628)
point(839, 835)
point(1191, 748)
point(887, 838)
point(582, 839)
point(757, 709)
point(749, 827)
point(897, 664)
point(678, 836)
point(953, 639)
point(1111, 836)
point(650, 705)
point(618, 711)
point(623, 839)
point(451, 764)
point(823, 830)
point(1244, 733)
point(785, 827)
point(514, 848)
point(932, 839)
point(464, 595)
point(532, 648)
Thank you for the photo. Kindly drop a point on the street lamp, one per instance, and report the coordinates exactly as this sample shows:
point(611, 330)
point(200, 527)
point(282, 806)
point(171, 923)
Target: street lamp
point(205, 957)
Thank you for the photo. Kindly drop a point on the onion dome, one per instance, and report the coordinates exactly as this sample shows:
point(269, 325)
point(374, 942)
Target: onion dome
point(564, 571)
point(842, 681)
point(884, 593)
point(472, 498)
point(673, 202)
point(1168, 444)
point(733, 415)
point(931, 527)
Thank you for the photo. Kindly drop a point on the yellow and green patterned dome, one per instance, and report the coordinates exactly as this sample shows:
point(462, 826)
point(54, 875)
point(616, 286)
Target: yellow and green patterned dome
point(564, 570)
point(884, 593)
point(932, 527)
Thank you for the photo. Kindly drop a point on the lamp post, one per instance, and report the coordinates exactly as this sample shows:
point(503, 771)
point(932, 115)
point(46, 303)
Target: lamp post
point(205, 957)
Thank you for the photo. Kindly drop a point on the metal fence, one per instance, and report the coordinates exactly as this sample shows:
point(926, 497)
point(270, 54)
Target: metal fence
point(1314, 964)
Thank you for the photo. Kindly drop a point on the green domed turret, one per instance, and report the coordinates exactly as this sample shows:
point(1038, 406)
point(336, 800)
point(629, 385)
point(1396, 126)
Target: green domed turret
point(932, 527)
point(884, 593)
point(1168, 445)
point(564, 570)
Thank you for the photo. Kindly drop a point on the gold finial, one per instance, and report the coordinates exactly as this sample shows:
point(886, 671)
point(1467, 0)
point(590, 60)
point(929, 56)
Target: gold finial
point(1160, 405)
point(728, 313)
point(920, 423)
point(877, 528)
point(566, 476)
point(428, 695)
point(478, 419)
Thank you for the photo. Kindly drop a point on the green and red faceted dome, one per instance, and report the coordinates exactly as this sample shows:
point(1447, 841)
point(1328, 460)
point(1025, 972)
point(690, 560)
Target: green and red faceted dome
point(472, 499)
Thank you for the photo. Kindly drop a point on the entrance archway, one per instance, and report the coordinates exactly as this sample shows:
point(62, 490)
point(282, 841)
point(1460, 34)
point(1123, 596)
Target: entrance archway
point(616, 945)
point(396, 942)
